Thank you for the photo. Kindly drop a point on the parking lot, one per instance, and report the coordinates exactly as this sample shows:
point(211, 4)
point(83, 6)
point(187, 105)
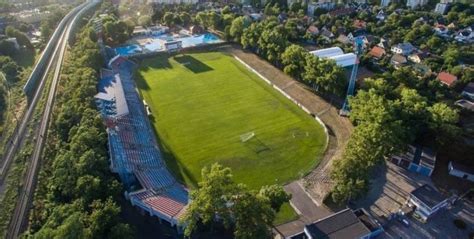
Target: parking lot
point(390, 188)
point(439, 226)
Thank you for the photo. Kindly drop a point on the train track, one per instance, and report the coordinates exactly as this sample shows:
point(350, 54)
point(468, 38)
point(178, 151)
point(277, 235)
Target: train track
point(54, 63)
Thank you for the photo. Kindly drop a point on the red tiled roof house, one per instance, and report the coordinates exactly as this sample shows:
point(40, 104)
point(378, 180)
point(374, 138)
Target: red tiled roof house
point(446, 78)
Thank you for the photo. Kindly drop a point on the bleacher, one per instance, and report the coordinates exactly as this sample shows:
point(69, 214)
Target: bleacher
point(134, 152)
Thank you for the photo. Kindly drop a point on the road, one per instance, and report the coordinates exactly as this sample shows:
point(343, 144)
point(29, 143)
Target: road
point(55, 62)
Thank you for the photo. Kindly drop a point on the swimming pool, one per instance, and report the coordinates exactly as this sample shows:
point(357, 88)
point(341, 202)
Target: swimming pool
point(157, 42)
point(128, 50)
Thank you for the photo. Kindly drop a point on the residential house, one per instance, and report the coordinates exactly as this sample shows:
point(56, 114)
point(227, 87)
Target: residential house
point(342, 12)
point(282, 17)
point(357, 33)
point(461, 171)
point(368, 40)
point(384, 3)
point(255, 16)
point(377, 52)
point(345, 224)
point(326, 34)
point(468, 91)
point(416, 3)
point(421, 20)
point(313, 30)
point(383, 44)
point(415, 57)
point(441, 30)
point(398, 60)
point(417, 159)
point(465, 104)
point(403, 48)
point(426, 201)
point(343, 39)
point(421, 69)
point(465, 35)
point(359, 24)
point(341, 30)
point(381, 15)
point(447, 79)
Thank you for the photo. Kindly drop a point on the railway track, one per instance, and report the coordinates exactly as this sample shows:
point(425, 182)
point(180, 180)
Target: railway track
point(54, 64)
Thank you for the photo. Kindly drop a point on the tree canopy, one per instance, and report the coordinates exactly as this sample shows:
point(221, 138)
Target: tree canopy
point(219, 202)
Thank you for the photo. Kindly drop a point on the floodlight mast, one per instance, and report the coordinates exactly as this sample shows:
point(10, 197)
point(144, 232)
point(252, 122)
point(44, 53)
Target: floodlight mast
point(358, 44)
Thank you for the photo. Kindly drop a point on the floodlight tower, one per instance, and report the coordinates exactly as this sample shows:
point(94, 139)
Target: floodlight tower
point(358, 45)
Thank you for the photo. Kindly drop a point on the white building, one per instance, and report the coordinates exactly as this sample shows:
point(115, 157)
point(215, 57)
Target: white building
point(441, 8)
point(416, 3)
point(336, 54)
point(461, 171)
point(427, 201)
point(385, 3)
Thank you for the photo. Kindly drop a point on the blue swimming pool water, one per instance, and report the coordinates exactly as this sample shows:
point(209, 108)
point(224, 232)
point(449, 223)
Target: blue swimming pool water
point(128, 50)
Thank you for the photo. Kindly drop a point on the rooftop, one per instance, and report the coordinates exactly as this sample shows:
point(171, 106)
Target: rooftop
point(428, 195)
point(469, 89)
point(446, 78)
point(341, 225)
point(462, 167)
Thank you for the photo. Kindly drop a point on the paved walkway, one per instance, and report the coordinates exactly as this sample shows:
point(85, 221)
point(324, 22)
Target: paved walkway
point(307, 209)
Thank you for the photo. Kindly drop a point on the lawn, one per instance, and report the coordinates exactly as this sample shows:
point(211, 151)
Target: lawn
point(203, 103)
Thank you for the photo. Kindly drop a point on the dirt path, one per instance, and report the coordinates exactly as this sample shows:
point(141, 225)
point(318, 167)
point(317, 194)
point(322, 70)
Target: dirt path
point(317, 182)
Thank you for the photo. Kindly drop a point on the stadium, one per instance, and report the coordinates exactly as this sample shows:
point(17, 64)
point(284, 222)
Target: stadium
point(170, 115)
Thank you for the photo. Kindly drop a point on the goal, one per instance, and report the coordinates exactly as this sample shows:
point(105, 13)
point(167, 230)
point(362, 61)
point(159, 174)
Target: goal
point(247, 136)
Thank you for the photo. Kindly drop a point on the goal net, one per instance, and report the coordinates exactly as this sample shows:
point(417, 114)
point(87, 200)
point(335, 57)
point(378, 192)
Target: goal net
point(247, 136)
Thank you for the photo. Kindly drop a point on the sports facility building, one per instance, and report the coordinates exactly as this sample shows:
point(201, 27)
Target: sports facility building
point(134, 152)
point(335, 53)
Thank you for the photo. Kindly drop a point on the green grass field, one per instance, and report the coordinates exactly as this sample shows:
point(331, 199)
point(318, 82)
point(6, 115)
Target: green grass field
point(202, 103)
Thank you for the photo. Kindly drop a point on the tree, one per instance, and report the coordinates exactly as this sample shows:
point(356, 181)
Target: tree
point(219, 201)
point(294, 60)
point(250, 36)
point(226, 10)
point(237, 28)
point(276, 195)
point(451, 56)
point(442, 122)
point(144, 21)
point(211, 199)
point(273, 43)
point(253, 216)
point(185, 18)
point(168, 19)
point(291, 29)
point(20, 36)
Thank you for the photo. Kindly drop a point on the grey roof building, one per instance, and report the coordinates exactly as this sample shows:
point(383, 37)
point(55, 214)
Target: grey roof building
point(345, 224)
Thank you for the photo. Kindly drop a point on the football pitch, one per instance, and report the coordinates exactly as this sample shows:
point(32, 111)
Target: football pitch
point(207, 107)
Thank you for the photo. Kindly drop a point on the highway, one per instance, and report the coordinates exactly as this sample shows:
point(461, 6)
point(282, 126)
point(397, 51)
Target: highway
point(54, 63)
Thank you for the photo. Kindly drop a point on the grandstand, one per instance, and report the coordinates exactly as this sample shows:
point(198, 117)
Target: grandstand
point(134, 152)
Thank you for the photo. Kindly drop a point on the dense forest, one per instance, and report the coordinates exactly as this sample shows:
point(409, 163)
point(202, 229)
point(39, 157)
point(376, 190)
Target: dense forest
point(77, 193)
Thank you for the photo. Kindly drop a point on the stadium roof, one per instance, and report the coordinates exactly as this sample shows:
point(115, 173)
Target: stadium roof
point(336, 54)
point(110, 89)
